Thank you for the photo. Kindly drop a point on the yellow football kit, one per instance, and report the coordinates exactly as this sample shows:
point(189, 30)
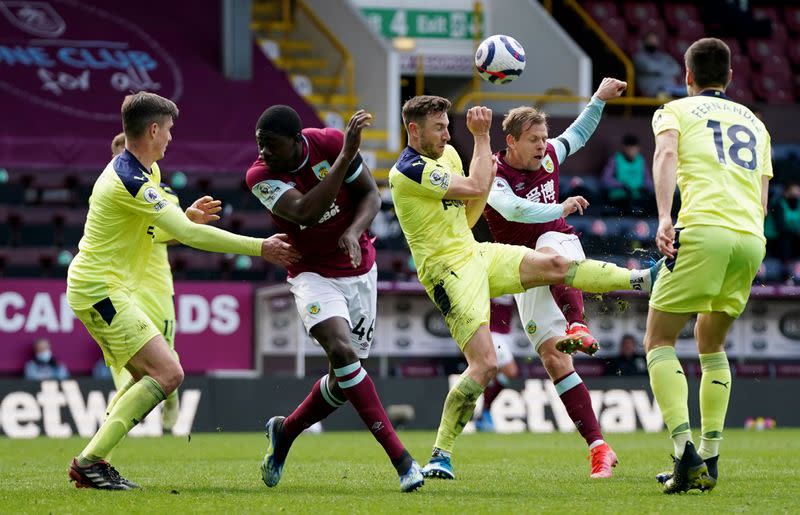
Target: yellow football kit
point(723, 153)
point(125, 207)
point(459, 274)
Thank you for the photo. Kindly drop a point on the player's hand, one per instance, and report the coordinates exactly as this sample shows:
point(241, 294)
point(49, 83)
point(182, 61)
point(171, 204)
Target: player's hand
point(610, 88)
point(665, 237)
point(573, 204)
point(204, 210)
point(348, 242)
point(479, 120)
point(277, 249)
point(352, 135)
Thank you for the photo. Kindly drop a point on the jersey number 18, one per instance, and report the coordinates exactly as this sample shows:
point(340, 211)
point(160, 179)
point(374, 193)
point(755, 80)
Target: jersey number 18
point(734, 133)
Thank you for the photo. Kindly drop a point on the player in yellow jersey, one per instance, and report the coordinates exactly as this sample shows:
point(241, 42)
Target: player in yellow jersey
point(718, 153)
point(125, 209)
point(436, 206)
point(155, 293)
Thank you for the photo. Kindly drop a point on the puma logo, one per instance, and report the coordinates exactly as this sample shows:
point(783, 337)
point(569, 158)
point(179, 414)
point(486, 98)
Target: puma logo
point(725, 385)
point(140, 178)
point(680, 372)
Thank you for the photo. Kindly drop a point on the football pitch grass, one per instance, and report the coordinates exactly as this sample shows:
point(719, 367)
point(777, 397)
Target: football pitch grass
point(348, 473)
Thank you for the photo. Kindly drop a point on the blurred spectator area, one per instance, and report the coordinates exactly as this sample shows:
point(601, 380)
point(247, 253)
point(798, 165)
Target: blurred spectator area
point(765, 63)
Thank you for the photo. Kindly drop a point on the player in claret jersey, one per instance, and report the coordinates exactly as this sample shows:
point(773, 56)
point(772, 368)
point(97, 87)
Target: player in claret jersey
point(524, 210)
point(436, 205)
point(718, 154)
point(318, 190)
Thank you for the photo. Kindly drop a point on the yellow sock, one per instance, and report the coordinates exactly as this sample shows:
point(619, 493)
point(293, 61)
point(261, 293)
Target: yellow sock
point(715, 392)
point(458, 409)
point(599, 276)
point(671, 391)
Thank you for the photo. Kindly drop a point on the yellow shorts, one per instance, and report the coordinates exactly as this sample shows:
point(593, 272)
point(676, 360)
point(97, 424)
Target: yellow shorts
point(119, 326)
point(160, 308)
point(712, 271)
point(463, 294)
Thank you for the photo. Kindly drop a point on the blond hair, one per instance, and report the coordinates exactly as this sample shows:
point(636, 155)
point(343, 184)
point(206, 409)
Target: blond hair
point(522, 118)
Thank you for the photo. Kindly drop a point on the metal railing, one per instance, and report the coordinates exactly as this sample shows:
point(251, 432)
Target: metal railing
point(347, 59)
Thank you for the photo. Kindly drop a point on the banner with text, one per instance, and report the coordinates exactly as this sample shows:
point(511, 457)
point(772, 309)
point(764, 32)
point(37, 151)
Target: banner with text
point(214, 325)
point(66, 65)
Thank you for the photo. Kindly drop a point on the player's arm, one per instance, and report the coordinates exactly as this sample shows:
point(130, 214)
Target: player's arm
point(475, 188)
point(202, 211)
point(665, 169)
point(517, 209)
point(275, 249)
point(368, 203)
point(306, 209)
point(766, 173)
point(579, 132)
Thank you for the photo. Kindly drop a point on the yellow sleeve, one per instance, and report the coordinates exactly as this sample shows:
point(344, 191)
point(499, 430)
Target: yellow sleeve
point(665, 118)
point(159, 235)
point(205, 237)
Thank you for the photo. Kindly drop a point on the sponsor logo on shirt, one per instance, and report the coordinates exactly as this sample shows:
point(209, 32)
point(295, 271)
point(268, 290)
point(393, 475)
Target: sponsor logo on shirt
point(160, 205)
point(151, 195)
point(547, 164)
point(321, 169)
point(314, 308)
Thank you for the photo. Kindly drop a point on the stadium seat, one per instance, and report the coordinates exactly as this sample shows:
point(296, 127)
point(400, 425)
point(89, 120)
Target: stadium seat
point(679, 14)
point(793, 52)
point(586, 368)
point(638, 13)
point(741, 92)
point(787, 370)
point(617, 31)
point(652, 25)
point(775, 90)
point(776, 66)
point(770, 271)
point(762, 49)
point(602, 11)
point(692, 30)
point(792, 19)
point(770, 12)
point(420, 368)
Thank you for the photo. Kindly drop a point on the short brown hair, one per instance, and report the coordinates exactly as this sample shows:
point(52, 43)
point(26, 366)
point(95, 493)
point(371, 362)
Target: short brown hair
point(141, 109)
point(709, 60)
point(417, 108)
point(118, 143)
point(520, 119)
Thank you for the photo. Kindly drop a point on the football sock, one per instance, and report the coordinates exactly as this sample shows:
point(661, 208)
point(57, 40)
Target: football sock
point(319, 403)
point(576, 399)
point(671, 391)
point(491, 392)
point(120, 378)
point(131, 408)
point(459, 407)
point(120, 392)
point(715, 391)
point(169, 412)
point(359, 389)
point(599, 276)
point(570, 301)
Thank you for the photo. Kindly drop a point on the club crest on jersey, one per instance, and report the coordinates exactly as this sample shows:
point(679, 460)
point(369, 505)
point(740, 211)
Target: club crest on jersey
point(151, 195)
point(314, 308)
point(321, 169)
point(531, 327)
point(548, 165)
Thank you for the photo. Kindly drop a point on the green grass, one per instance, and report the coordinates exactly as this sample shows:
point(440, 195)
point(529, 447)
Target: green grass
point(348, 473)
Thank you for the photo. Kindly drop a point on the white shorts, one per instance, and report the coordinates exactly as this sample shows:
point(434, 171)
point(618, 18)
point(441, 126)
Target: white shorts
point(502, 346)
point(353, 298)
point(541, 317)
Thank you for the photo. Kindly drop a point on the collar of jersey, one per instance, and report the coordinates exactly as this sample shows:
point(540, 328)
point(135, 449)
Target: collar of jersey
point(714, 93)
point(129, 155)
point(305, 161)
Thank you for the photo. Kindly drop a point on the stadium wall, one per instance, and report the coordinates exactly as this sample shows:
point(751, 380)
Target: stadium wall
point(553, 59)
point(29, 409)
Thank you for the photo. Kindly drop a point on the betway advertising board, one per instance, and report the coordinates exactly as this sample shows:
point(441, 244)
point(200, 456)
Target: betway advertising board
point(213, 326)
point(59, 409)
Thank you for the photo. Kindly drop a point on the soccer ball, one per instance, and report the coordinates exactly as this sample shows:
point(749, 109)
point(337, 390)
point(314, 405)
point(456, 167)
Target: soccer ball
point(500, 59)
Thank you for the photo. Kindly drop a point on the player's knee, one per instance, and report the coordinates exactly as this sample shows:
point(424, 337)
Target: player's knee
point(558, 266)
point(171, 377)
point(340, 351)
point(488, 368)
point(556, 363)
